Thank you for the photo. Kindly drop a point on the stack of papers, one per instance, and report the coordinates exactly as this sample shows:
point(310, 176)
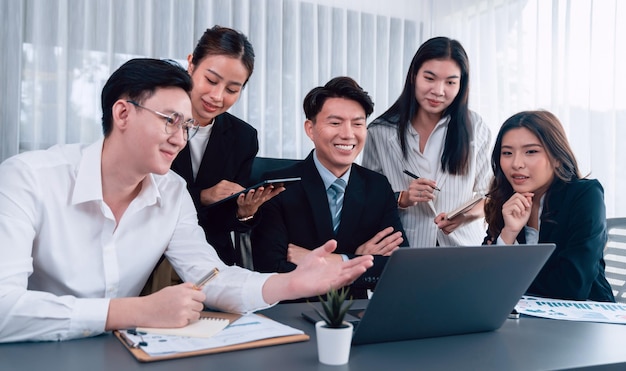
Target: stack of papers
point(571, 310)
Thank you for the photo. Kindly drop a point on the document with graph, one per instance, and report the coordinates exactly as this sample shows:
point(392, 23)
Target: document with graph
point(571, 310)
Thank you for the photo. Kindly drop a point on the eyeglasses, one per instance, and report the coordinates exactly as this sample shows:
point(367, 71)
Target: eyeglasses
point(174, 121)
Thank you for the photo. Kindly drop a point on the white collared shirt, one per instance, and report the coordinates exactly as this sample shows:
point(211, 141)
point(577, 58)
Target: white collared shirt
point(327, 177)
point(64, 258)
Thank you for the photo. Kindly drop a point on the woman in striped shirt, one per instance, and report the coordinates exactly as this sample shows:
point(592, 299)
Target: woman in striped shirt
point(433, 149)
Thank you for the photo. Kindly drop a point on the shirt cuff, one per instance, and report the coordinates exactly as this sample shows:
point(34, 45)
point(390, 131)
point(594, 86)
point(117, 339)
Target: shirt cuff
point(500, 241)
point(89, 317)
point(253, 292)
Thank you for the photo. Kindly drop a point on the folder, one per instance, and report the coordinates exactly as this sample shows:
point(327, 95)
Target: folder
point(143, 356)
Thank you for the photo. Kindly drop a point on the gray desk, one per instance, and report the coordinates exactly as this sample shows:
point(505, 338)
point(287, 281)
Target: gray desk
point(524, 344)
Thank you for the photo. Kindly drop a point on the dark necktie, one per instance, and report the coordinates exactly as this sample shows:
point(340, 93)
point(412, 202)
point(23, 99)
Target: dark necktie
point(337, 190)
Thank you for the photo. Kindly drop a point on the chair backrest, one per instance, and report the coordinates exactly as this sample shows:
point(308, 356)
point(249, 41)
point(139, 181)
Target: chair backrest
point(261, 165)
point(615, 257)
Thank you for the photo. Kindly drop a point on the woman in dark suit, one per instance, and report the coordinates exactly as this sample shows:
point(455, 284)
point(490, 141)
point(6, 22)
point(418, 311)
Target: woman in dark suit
point(218, 160)
point(539, 196)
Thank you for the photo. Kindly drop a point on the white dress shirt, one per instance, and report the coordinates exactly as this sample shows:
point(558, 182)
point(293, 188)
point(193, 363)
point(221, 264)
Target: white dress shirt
point(382, 153)
point(63, 257)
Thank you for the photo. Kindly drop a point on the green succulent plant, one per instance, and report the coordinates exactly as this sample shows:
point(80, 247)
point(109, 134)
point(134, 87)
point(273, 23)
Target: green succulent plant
point(335, 307)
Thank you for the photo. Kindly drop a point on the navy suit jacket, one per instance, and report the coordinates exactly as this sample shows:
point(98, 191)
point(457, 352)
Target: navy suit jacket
point(229, 154)
point(573, 218)
point(301, 215)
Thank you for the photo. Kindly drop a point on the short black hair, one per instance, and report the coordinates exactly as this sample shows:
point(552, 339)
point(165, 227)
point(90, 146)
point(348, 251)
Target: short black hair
point(137, 80)
point(338, 87)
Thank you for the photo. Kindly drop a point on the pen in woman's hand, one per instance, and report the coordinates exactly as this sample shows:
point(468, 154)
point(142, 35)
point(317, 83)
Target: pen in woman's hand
point(416, 177)
point(207, 277)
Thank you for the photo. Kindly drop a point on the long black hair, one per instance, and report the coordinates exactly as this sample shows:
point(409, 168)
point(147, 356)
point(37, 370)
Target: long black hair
point(548, 129)
point(456, 153)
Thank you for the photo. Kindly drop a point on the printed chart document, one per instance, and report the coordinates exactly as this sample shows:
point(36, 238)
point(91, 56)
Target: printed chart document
point(571, 310)
point(246, 329)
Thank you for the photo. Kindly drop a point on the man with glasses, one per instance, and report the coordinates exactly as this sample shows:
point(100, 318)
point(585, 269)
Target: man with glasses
point(82, 226)
point(174, 121)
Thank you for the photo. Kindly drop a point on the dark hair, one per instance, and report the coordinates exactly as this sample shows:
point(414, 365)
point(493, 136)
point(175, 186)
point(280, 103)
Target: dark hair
point(456, 153)
point(338, 87)
point(137, 80)
point(548, 129)
point(225, 41)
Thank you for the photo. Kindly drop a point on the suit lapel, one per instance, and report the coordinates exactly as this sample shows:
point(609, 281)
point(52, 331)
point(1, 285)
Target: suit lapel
point(353, 205)
point(552, 204)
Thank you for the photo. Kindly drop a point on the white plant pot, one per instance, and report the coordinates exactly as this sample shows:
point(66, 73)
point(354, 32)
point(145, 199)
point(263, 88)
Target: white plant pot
point(333, 344)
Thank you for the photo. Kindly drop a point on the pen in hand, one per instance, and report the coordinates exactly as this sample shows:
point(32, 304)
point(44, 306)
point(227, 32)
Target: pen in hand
point(204, 280)
point(416, 177)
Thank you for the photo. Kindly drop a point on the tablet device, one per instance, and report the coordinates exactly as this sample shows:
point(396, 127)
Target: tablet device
point(265, 183)
point(464, 207)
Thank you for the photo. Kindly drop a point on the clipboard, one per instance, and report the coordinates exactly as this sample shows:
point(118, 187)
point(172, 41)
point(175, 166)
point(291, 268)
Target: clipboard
point(142, 356)
point(264, 183)
point(464, 207)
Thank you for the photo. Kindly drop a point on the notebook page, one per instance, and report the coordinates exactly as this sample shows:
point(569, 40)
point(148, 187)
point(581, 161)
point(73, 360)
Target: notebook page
point(203, 328)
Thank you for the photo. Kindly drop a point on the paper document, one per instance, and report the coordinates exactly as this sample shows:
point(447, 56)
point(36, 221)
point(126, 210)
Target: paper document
point(248, 328)
point(571, 310)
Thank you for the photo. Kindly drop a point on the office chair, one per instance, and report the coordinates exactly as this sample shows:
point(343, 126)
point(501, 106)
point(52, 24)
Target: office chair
point(615, 257)
point(260, 166)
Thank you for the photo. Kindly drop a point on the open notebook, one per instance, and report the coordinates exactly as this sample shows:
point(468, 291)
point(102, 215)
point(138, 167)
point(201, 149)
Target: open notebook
point(205, 327)
point(244, 332)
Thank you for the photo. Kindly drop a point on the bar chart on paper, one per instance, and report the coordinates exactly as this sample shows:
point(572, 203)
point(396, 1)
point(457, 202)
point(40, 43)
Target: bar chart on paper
point(571, 310)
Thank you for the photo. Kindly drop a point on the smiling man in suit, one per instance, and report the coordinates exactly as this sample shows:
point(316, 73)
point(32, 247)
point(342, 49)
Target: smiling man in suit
point(336, 199)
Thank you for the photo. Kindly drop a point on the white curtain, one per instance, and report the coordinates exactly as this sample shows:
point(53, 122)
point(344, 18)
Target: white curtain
point(59, 54)
point(566, 56)
point(560, 55)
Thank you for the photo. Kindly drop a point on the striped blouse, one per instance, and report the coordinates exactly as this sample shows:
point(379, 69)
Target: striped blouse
point(383, 154)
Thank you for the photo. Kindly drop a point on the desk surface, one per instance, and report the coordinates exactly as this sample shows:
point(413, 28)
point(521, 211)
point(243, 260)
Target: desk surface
point(524, 344)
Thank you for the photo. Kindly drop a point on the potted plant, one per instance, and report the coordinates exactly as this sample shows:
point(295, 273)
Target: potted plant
point(334, 335)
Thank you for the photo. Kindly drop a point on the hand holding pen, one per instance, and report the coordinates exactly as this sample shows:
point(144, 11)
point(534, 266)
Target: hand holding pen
point(420, 190)
point(168, 313)
point(205, 279)
point(416, 177)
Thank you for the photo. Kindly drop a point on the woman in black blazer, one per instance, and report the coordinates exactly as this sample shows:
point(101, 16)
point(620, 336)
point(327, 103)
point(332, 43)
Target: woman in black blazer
point(218, 160)
point(539, 196)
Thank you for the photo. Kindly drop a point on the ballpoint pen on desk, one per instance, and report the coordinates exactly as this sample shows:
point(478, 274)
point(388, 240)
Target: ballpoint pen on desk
point(416, 177)
point(207, 277)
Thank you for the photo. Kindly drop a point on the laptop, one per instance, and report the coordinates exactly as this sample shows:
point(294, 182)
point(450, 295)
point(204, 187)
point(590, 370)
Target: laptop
point(440, 291)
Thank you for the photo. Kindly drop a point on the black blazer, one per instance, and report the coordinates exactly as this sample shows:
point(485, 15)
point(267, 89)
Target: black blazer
point(229, 154)
point(573, 218)
point(301, 215)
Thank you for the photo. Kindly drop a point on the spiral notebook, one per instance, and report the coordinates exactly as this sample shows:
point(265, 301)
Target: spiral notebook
point(205, 327)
